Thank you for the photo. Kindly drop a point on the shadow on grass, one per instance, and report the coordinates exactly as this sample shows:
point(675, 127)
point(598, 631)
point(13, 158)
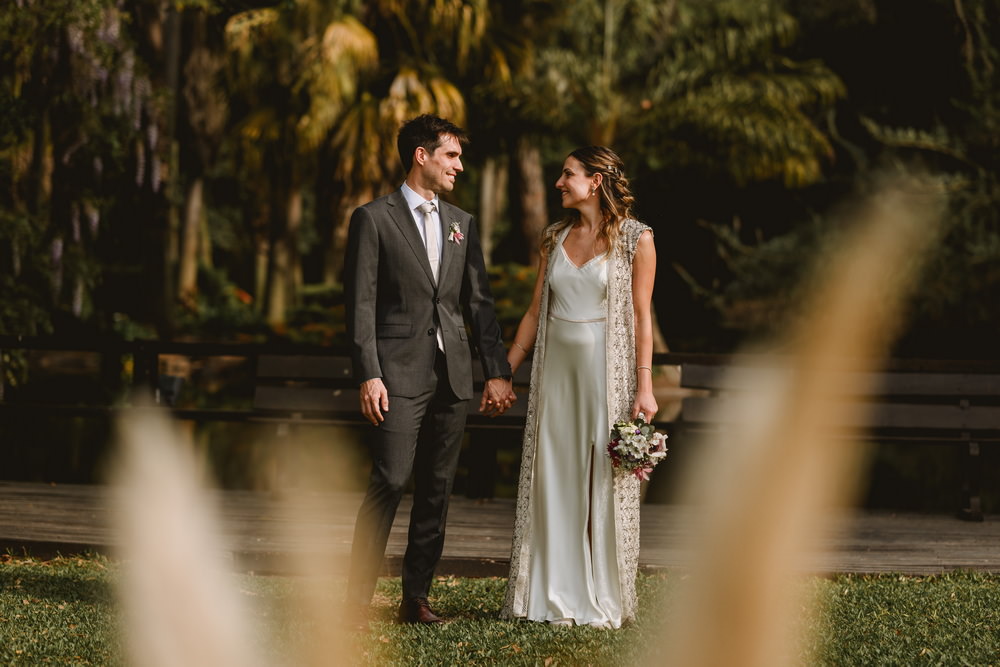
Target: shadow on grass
point(83, 580)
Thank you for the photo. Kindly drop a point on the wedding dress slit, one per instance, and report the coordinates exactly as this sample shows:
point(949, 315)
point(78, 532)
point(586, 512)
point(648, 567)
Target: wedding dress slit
point(574, 567)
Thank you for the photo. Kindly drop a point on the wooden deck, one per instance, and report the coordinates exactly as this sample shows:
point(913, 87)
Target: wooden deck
point(269, 534)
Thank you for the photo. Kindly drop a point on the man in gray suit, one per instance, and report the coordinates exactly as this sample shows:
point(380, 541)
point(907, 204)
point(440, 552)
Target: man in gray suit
point(414, 267)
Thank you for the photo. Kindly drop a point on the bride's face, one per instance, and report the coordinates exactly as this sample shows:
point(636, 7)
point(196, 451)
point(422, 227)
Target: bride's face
point(575, 185)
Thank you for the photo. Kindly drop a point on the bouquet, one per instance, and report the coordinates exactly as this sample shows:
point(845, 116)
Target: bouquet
point(637, 447)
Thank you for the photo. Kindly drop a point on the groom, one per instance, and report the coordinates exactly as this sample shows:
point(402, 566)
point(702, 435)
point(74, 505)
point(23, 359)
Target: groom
point(413, 266)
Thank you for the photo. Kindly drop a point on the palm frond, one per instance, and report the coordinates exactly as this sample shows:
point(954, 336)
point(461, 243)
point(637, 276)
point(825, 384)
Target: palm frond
point(332, 75)
point(936, 140)
point(246, 29)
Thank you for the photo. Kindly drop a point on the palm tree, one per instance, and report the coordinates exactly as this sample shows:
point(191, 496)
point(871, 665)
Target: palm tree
point(424, 48)
point(726, 83)
point(685, 83)
point(673, 75)
point(204, 109)
point(295, 70)
point(504, 121)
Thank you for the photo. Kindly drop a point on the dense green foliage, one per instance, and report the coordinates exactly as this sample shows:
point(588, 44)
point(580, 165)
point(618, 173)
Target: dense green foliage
point(188, 168)
point(924, 95)
point(179, 169)
point(64, 611)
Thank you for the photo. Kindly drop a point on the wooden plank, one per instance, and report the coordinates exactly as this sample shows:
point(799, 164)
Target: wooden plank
point(318, 402)
point(303, 366)
point(270, 532)
point(750, 378)
point(938, 384)
point(730, 409)
point(305, 399)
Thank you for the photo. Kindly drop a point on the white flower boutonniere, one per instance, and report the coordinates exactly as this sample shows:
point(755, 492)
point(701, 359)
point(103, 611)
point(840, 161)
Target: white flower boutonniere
point(455, 234)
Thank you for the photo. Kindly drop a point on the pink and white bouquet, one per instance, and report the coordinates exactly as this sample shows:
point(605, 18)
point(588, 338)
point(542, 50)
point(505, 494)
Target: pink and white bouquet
point(637, 447)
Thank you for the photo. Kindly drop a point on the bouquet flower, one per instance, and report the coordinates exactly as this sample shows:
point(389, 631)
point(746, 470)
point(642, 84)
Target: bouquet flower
point(637, 447)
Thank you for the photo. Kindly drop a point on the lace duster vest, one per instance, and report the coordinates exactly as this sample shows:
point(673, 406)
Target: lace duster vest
point(621, 393)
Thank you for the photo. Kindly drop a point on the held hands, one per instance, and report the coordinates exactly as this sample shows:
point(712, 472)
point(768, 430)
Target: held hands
point(646, 404)
point(374, 400)
point(498, 396)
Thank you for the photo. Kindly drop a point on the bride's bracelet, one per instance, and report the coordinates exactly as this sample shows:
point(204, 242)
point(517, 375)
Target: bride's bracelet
point(521, 346)
point(646, 367)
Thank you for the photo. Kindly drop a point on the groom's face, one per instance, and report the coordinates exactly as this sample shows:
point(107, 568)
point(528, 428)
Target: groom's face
point(439, 169)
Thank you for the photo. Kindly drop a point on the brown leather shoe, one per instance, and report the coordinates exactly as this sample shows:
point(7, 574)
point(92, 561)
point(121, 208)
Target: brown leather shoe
point(417, 611)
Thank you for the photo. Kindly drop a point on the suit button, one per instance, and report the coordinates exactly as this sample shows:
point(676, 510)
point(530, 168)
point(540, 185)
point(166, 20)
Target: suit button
point(437, 300)
point(430, 332)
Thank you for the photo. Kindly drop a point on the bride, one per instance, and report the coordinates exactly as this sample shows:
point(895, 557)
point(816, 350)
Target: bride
point(576, 534)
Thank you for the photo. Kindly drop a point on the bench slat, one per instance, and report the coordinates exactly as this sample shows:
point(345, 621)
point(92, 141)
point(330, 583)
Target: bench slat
point(722, 410)
point(721, 378)
point(306, 400)
point(303, 366)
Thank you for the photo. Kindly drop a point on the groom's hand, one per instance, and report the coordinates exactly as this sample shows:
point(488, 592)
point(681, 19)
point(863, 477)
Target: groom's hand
point(374, 400)
point(498, 396)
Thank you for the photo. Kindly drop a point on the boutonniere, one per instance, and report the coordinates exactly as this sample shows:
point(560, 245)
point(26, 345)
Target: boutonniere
point(455, 234)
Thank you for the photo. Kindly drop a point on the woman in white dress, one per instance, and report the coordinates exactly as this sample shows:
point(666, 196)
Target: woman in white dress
point(576, 534)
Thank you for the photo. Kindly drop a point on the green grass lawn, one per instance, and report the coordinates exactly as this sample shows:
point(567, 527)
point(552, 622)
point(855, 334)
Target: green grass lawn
point(64, 611)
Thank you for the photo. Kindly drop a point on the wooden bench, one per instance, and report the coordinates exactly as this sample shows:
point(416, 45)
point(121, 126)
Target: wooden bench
point(942, 402)
point(310, 388)
point(945, 402)
point(291, 386)
point(295, 390)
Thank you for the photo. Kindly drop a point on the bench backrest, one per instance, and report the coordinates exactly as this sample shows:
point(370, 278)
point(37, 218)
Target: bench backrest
point(905, 405)
point(322, 388)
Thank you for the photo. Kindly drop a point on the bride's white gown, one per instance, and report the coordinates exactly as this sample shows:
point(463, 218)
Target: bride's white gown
point(574, 569)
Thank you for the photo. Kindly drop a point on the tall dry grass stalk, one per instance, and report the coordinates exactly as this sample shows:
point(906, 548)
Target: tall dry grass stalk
point(181, 605)
point(310, 502)
point(778, 473)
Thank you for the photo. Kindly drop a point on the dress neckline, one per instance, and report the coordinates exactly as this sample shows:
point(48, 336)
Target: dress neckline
point(570, 261)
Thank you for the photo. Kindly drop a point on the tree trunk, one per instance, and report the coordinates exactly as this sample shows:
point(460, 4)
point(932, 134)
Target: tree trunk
point(329, 190)
point(531, 194)
point(292, 233)
point(285, 265)
point(187, 282)
point(40, 173)
point(171, 232)
point(277, 283)
point(262, 262)
point(492, 199)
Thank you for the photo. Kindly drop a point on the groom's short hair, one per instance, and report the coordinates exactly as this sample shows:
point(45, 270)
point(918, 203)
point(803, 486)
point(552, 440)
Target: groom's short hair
point(426, 131)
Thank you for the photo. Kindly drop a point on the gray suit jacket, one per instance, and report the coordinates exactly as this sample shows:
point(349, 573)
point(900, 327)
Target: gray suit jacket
point(394, 307)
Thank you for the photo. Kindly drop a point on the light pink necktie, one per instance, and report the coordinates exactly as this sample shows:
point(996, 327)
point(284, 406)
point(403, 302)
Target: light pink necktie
point(432, 234)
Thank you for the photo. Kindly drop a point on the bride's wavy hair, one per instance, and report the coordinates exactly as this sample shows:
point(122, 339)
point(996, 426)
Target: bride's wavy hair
point(616, 196)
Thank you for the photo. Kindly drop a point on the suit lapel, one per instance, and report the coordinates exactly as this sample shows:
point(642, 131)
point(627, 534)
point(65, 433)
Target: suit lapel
point(403, 218)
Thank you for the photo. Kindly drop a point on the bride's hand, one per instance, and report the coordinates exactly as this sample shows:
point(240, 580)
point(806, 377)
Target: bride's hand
point(646, 404)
